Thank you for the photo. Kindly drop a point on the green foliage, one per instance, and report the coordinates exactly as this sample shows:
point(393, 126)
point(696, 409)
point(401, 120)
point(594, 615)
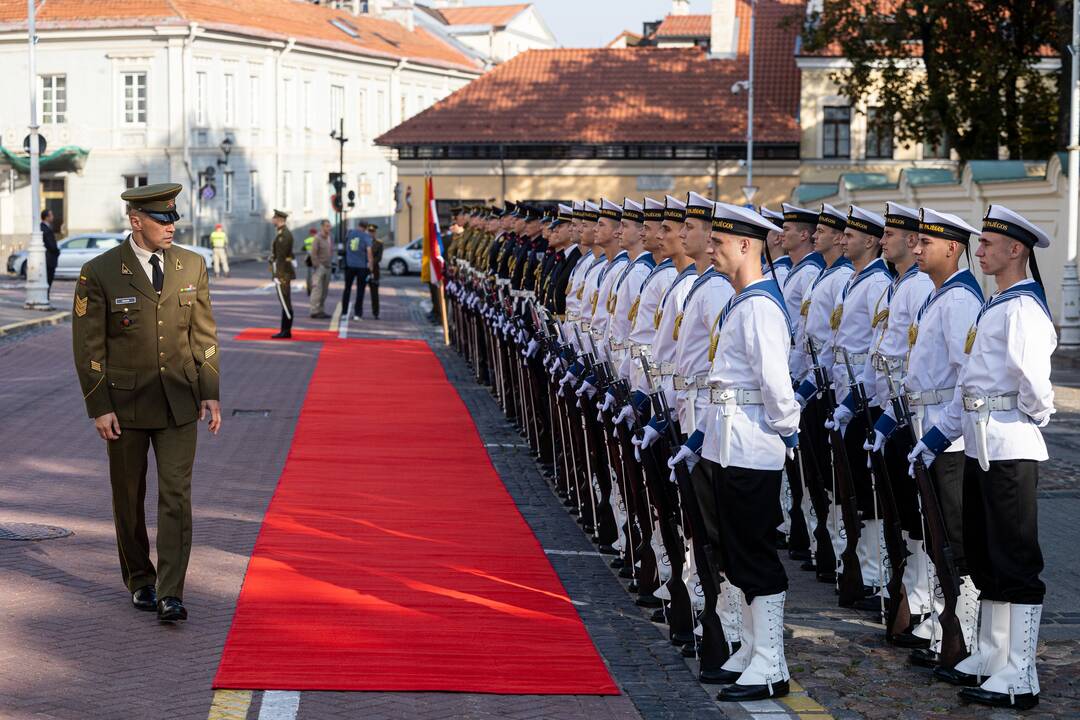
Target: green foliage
point(980, 89)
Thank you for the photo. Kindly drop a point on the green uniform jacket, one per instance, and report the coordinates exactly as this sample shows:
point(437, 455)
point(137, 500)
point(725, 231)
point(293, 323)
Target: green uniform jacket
point(139, 354)
point(281, 255)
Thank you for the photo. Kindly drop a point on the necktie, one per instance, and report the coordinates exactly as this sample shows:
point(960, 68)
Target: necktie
point(158, 276)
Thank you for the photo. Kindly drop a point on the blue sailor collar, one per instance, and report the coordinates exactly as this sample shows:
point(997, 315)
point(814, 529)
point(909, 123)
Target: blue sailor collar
point(657, 269)
point(620, 258)
point(960, 279)
point(690, 270)
point(703, 278)
point(838, 263)
point(767, 288)
point(897, 282)
point(645, 258)
point(1027, 287)
point(876, 267)
point(783, 261)
point(814, 258)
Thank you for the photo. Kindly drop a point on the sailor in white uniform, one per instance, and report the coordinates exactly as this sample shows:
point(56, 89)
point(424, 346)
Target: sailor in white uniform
point(774, 248)
point(1003, 397)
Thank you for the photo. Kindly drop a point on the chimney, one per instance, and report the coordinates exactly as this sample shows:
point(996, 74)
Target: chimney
point(724, 40)
point(401, 11)
point(680, 7)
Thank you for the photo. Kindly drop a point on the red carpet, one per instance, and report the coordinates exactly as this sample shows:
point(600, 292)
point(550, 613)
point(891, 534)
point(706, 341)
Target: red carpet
point(297, 335)
point(391, 556)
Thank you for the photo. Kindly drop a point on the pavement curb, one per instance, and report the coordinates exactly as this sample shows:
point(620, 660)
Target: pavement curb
point(16, 327)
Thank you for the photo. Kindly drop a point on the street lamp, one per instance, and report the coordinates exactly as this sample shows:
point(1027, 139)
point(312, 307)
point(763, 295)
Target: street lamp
point(1070, 285)
point(338, 135)
point(749, 189)
point(37, 287)
point(226, 148)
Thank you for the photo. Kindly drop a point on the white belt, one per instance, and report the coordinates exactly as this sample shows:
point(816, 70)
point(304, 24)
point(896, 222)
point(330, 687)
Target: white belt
point(573, 315)
point(689, 383)
point(617, 346)
point(734, 396)
point(637, 351)
point(995, 403)
point(502, 281)
point(516, 293)
point(931, 397)
point(884, 363)
point(843, 356)
point(585, 325)
point(664, 369)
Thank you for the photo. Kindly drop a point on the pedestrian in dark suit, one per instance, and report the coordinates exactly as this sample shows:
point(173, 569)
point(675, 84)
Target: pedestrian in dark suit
point(52, 252)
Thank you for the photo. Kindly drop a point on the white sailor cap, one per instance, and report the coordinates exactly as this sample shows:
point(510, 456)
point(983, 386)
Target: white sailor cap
point(565, 215)
point(632, 210)
point(796, 214)
point(609, 209)
point(737, 220)
point(674, 209)
point(1000, 219)
point(654, 209)
point(865, 221)
point(776, 218)
point(589, 211)
point(578, 208)
point(901, 216)
point(945, 226)
point(699, 207)
point(831, 217)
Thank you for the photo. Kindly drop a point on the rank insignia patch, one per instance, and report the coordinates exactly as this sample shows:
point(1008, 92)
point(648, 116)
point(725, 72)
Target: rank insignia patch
point(95, 366)
point(80, 306)
point(124, 269)
point(178, 265)
point(210, 352)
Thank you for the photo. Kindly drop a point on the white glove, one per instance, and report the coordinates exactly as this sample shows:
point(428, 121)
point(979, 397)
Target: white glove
point(685, 455)
point(840, 419)
point(879, 442)
point(625, 415)
point(801, 400)
point(567, 379)
point(531, 349)
point(920, 450)
point(648, 436)
point(587, 388)
point(636, 442)
point(607, 402)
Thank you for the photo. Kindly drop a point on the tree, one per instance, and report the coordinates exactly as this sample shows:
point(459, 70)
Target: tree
point(961, 70)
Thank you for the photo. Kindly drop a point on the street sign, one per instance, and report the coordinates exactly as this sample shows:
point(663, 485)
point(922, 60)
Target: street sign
point(749, 191)
point(41, 144)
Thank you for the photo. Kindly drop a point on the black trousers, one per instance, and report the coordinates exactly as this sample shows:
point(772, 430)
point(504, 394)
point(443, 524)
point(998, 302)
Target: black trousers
point(905, 493)
point(360, 275)
point(947, 474)
point(746, 519)
point(1001, 530)
point(373, 283)
point(50, 271)
point(854, 437)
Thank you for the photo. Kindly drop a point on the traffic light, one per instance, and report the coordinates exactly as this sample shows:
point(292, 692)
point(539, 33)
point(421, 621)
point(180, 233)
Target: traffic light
point(335, 202)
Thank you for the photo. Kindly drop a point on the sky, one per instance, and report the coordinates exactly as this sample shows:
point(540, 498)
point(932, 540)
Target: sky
point(593, 23)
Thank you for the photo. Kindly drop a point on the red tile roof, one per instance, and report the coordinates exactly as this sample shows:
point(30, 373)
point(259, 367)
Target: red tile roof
point(497, 15)
point(694, 26)
point(632, 38)
point(275, 19)
point(632, 95)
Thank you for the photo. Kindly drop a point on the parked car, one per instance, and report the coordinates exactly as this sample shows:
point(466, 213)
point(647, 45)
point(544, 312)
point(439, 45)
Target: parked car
point(77, 249)
point(400, 260)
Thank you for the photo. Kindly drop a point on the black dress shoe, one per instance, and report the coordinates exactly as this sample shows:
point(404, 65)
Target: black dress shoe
point(809, 566)
point(607, 550)
point(924, 657)
point(281, 336)
point(145, 598)
point(616, 563)
point(826, 577)
point(746, 693)
point(868, 604)
point(682, 638)
point(626, 572)
point(659, 616)
point(689, 651)
point(718, 677)
point(996, 699)
point(955, 677)
point(648, 600)
point(910, 640)
point(799, 554)
point(781, 541)
point(171, 610)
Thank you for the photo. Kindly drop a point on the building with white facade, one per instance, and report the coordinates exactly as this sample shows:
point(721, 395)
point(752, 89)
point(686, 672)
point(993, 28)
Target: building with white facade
point(150, 90)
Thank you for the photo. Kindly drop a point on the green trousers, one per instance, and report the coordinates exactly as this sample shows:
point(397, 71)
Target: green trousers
point(174, 451)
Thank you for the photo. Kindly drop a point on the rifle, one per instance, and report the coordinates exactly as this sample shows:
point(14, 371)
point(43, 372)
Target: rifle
point(816, 487)
point(587, 360)
point(897, 613)
point(953, 647)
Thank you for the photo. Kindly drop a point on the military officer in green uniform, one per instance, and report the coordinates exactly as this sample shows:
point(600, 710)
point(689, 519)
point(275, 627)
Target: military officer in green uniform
point(282, 270)
point(146, 354)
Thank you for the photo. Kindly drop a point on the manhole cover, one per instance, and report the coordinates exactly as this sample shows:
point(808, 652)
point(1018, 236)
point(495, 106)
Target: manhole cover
point(250, 413)
point(29, 531)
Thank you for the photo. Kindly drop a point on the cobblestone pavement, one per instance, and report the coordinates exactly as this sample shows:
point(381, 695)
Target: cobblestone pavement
point(71, 646)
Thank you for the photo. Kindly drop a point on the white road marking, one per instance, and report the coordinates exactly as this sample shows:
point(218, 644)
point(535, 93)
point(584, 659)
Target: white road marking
point(571, 552)
point(279, 705)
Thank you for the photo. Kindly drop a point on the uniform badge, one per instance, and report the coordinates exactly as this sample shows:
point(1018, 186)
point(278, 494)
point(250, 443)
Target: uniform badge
point(804, 310)
point(595, 298)
point(80, 306)
point(836, 317)
point(125, 321)
point(912, 335)
point(581, 292)
point(124, 269)
point(210, 352)
point(82, 280)
point(178, 265)
point(970, 340)
point(95, 366)
point(678, 324)
point(714, 340)
point(879, 317)
point(657, 317)
point(126, 301)
point(612, 300)
point(632, 315)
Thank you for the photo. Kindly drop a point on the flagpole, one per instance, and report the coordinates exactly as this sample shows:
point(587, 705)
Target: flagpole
point(442, 309)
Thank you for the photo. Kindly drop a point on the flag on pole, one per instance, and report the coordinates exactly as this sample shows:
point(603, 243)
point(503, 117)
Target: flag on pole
point(431, 263)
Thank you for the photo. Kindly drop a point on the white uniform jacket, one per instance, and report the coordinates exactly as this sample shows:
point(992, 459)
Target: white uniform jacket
point(621, 298)
point(819, 303)
point(642, 316)
point(853, 331)
point(662, 348)
point(606, 280)
point(795, 285)
point(895, 315)
point(707, 298)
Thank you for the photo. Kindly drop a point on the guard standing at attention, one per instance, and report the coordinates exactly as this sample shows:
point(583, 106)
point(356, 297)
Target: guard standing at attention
point(146, 354)
point(219, 241)
point(283, 271)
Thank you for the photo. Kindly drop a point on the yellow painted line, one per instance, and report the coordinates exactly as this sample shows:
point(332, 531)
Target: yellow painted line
point(230, 705)
point(805, 706)
point(795, 687)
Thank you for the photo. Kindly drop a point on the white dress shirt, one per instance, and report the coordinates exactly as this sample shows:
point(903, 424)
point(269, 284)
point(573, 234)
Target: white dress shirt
point(143, 256)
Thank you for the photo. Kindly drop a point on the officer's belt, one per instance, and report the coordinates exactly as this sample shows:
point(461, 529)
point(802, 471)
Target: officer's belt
point(976, 403)
point(664, 369)
point(502, 281)
point(684, 383)
point(931, 397)
point(615, 346)
point(734, 396)
point(637, 351)
point(843, 357)
point(585, 325)
point(884, 363)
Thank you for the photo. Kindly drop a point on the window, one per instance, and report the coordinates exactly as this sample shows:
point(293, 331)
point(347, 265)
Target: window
point(362, 114)
point(837, 132)
point(380, 190)
point(135, 181)
point(286, 189)
point(936, 148)
point(254, 96)
point(53, 99)
point(307, 191)
point(230, 100)
point(362, 189)
point(381, 110)
point(253, 191)
point(227, 191)
point(104, 243)
point(289, 92)
point(200, 99)
point(306, 105)
point(879, 134)
point(337, 106)
point(404, 107)
point(134, 84)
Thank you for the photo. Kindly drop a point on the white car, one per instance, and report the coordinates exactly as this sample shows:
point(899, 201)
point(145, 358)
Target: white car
point(403, 260)
point(77, 249)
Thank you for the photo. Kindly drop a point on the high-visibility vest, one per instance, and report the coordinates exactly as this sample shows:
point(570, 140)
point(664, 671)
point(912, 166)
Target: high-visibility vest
point(308, 242)
point(219, 239)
